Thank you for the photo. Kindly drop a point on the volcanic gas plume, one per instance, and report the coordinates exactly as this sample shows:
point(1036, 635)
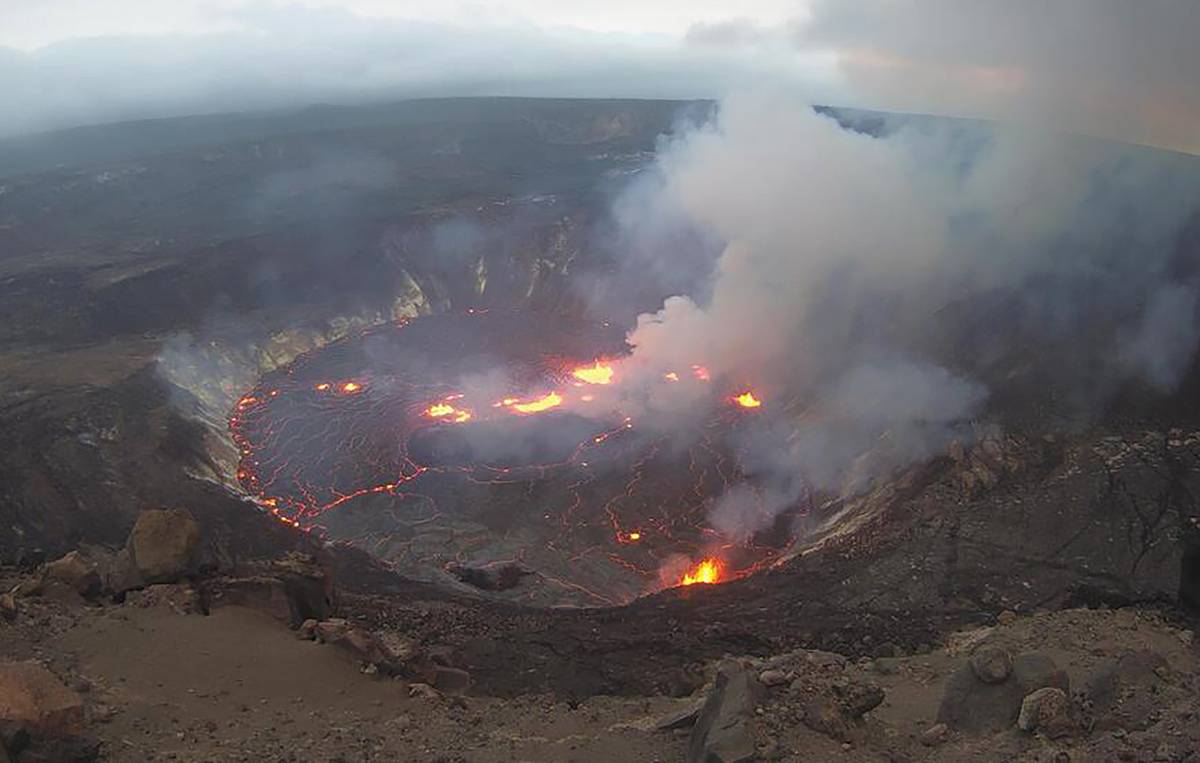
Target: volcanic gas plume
point(510, 425)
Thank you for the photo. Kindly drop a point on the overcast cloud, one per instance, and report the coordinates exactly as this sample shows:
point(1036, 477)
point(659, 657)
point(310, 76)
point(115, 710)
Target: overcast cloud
point(1107, 67)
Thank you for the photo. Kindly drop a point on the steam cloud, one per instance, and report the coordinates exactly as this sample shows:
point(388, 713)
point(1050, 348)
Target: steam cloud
point(853, 265)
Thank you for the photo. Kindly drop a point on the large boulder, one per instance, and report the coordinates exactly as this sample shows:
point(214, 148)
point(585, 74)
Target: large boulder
point(722, 732)
point(163, 544)
point(33, 698)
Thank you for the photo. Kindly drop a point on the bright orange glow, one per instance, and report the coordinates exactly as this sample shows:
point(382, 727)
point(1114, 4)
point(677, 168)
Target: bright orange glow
point(323, 386)
point(672, 376)
point(543, 403)
point(747, 400)
point(707, 571)
point(635, 536)
point(351, 387)
point(599, 373)
point(449, 412)
point(700, 372)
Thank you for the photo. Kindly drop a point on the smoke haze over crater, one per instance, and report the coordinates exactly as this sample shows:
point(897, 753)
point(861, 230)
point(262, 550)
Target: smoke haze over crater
point(851, 266)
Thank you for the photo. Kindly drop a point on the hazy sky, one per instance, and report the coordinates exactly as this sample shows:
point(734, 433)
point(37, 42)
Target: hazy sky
point(28, 24)
point(1119, 68)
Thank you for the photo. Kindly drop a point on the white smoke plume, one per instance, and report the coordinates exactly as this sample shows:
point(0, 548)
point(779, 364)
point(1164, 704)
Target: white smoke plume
point(874, 287)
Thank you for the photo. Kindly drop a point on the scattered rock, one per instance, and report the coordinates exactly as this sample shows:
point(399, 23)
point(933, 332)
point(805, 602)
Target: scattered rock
point(991, 664)
point(424, 691)
point(857, 699)
point(369, 648)
point(32, 696)
point(825, 715)
point(970, 704)
point(935, 735)
point(772, 678)
point(163, 543)
point(1007, 617)
point(75, 572)
point(180, 598)
point(1048, 711)
point(722, 730)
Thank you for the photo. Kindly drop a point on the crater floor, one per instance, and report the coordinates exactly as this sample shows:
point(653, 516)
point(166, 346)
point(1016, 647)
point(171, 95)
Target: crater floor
point(462, 446)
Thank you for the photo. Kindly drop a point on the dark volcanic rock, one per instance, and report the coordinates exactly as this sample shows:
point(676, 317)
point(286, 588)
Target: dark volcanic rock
point(722, 732)
point(496, 578)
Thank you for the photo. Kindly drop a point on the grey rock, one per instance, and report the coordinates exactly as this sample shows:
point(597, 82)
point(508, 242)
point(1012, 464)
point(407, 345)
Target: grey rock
point(722, 731)
point(680, 719)
point(991, 664)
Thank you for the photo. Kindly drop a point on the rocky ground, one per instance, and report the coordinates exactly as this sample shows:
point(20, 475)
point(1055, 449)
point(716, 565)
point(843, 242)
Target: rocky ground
point(141, 654)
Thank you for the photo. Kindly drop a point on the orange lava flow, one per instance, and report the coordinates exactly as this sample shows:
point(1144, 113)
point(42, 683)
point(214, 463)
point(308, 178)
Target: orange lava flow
point(599, 373)
point(747, 400)
point(543, 403)
point(707, 571)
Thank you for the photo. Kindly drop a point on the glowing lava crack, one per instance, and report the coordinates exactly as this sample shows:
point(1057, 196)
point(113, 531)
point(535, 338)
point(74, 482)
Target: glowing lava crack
point(470, 441)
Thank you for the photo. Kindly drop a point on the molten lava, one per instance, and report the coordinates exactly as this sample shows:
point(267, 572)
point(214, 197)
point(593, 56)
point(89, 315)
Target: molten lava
point(447, 412)
point(707, 571)
point(599, 373)
point(747, 400)
point(544, 403)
